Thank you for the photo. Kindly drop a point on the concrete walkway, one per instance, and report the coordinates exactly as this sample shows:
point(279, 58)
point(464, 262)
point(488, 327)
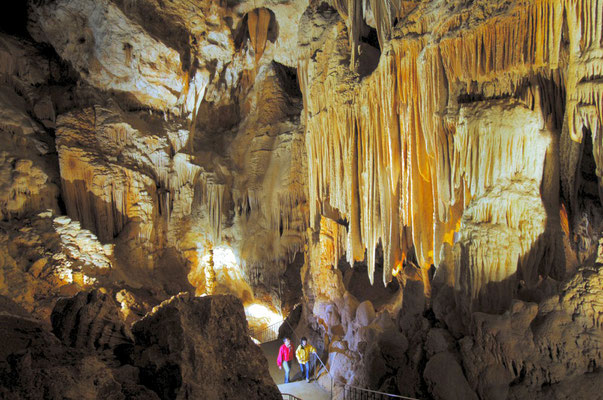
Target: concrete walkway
point(304, 390)
point(297, 386)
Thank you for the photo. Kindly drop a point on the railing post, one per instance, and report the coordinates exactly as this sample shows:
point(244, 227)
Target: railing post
point(332, 384)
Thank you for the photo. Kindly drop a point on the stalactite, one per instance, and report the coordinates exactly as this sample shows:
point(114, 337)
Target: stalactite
point(192, 101)
point(258, 21)
point(213, 198)
point(351, 12)
point(388, 156)
point(584, 87)
point(382, 10)
point(102, 199)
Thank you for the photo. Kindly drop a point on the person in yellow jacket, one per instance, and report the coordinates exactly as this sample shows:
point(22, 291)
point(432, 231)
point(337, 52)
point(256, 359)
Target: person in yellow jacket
point(303, 356)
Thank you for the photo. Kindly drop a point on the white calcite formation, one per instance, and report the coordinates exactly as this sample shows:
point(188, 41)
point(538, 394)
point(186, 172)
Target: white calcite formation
point(403, 155)
point(423, 177)
point(130, 177)
point(109, 51)
point(46, 257)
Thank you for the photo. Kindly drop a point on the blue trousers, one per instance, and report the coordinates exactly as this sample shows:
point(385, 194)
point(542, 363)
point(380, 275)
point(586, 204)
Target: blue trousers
point(287, 367)
point(306, 367)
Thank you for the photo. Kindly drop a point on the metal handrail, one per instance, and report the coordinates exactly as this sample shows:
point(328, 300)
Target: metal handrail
point(323, 364)
point(267, 334)
point(365, 393)
point(357, 393)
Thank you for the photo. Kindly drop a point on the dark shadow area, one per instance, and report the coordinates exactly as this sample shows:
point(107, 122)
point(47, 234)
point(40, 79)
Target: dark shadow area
point(552, 100)
point(169, 271)
point(370, 53)
point(172, 271)
point(61, 204)
point(13, 19)
point(287, 78)
point(214, 119)
point(495, 297)
point(165, 380)
point(162, 26)
point(356, 281)
point(586, 216)
point(93, 213)
point(588, 182)
point(292, 293)
point(291, 322)
point(371, 38)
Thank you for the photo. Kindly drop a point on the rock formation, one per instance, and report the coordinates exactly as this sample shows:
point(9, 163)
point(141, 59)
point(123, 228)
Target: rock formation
point(187, 348)
point(192, 347)
point(35, 365)
point(89, 320)
point(415, 185)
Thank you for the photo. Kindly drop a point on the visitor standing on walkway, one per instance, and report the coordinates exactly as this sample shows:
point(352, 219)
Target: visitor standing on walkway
point(303, 356)
point(285, 355)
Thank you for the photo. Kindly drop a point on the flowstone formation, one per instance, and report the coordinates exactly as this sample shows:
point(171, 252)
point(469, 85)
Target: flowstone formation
point(175, 140)
point(419, 180)
point(463, 166)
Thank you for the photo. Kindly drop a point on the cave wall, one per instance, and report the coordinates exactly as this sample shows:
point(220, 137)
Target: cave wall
point(175, 140)
point(248, 148)
point(456, 158)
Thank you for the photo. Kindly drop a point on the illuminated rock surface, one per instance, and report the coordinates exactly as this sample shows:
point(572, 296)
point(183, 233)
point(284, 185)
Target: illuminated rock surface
point(421, 179)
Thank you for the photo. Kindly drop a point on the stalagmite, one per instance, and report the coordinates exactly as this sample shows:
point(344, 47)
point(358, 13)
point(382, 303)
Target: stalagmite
point(422, 198)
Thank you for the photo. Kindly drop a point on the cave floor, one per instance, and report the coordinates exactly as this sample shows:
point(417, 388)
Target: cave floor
point(297, 387)
point(304, 390)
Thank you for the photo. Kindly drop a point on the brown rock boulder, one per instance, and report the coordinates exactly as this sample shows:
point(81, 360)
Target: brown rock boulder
point(34, 364)
point(446, 380)
point(89, 320)
point(199, 348)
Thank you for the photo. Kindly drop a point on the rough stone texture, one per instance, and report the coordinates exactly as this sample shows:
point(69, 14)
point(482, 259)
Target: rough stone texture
point(445, 378)
point(28, 173)
point(192, 347)
point(129, 177)
point(120, 181)
point(506, 214)
point(531, 350)
point(169, 56)
point(188, 348)
point(175, 137)
point(35, 365)
point(90, 321)
point(536, 344)
point(47, 257)
point(458, 136)
point(109, 51)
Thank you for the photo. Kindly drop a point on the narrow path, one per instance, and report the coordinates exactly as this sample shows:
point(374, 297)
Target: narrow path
point(298, 386)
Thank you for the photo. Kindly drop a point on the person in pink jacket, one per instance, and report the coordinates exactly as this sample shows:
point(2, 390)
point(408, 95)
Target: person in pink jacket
point(285, 355)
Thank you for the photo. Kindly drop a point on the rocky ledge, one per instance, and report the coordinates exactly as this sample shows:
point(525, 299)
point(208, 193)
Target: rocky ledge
point(187, 348)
